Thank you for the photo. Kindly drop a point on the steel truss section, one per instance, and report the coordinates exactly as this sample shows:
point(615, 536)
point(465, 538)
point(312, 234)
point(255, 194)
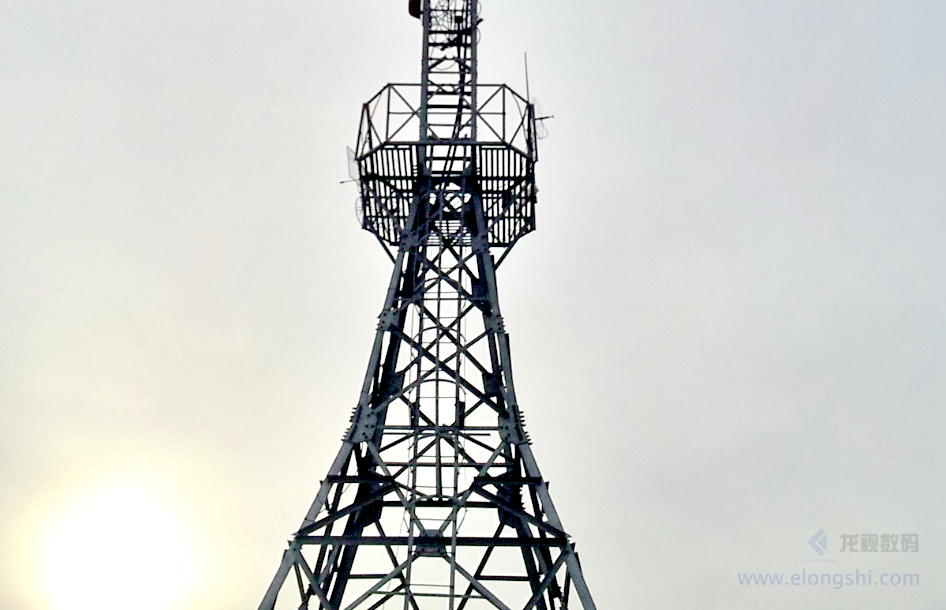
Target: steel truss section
point(435, 500)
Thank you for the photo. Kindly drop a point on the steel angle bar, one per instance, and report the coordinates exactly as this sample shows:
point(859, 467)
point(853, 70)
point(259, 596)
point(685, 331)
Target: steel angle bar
point(338, 514)
point(581, 587)
point(288, 560)
point(477, 441)
point(462, 259)
point(368, 477)
point(323, 551)
point(394, 563)
point(401, 395)
point(427, 499)
point(408, 506)
point(547, 581)
point(314, 587)
point(567, 588)
point(411, 110)
point(463, 497)
point(478, 574)
point(443, 332)
point(400, 541)
point(385, 179)
point(388, 249)
point(508, 249)
point(373, 130)
point(338, 466)
point(413, 462)
point(478, 586)
point(377, 587)
point(450, 372)
point(506, 214)
point(439, 277)
point(441, 503)
point(521, 127)
point(364, 140)
point(394, 443)
point(461, 451)
point(446, 331)
point(504, 479)
point(389, 594)
point(299, 582)
point(486, 114)
point(562, 537)
point(499, 135)
point(457, 355)
point(465, 350)
point(375, 359)
point(385, 212)
point(498, 93)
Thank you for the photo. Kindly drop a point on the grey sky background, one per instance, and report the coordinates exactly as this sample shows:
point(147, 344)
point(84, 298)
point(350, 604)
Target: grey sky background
point(727, 333)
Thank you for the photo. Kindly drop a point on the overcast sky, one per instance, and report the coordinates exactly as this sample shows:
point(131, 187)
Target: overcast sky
point(728, 332)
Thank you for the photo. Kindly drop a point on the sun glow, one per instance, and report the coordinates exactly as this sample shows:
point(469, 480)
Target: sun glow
point(119, 548)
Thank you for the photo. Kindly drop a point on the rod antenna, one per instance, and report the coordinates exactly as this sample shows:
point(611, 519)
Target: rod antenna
point(525, 58)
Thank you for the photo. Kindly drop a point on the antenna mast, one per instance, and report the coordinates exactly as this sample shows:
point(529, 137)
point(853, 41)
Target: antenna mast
point(435, 500)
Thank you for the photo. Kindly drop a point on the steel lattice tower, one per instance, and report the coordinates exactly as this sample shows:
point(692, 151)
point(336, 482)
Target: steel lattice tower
point(435, 500)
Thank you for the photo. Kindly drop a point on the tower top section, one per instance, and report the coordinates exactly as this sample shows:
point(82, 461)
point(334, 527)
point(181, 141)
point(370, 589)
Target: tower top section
point(425, 151)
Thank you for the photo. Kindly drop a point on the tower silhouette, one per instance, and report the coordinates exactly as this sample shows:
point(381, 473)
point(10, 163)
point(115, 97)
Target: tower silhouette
point(435, 500)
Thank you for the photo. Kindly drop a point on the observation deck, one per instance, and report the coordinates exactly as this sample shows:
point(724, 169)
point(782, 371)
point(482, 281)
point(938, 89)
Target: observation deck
point(488, 152)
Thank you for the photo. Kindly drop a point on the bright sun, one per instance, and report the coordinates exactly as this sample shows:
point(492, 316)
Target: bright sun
point(119, 548)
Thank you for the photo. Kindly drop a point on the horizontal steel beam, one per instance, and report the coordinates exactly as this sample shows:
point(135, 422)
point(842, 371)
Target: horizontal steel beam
point(431, 541)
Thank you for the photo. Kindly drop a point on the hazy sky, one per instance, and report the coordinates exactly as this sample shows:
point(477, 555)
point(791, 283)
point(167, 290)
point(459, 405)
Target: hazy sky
point(728, 332)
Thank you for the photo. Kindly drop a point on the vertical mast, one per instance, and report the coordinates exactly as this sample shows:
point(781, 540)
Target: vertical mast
point(448, 70)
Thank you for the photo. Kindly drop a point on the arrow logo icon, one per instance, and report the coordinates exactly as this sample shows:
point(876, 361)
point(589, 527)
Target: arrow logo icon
point(819, 542)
